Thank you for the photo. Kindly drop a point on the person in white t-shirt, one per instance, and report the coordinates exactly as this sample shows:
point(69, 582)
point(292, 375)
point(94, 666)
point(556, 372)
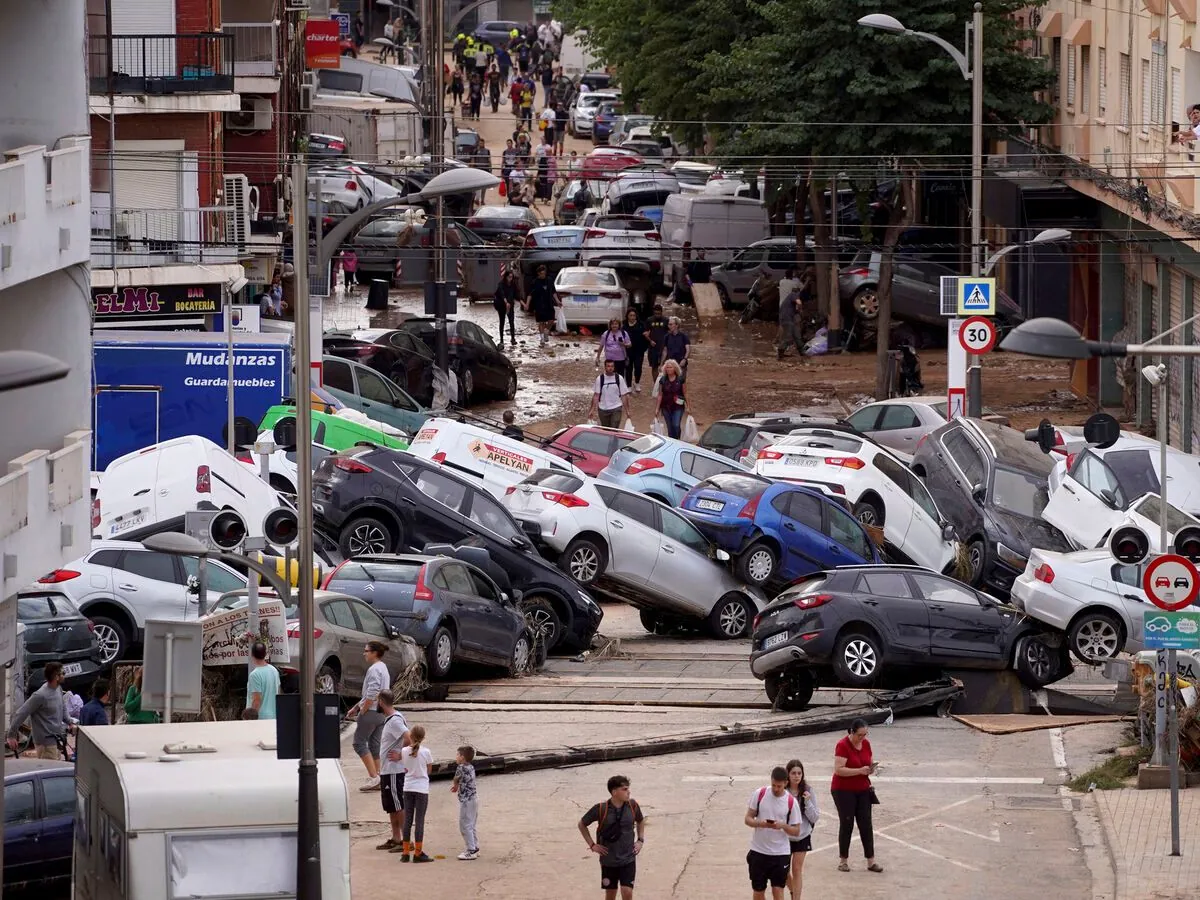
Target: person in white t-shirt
point(774, 814)
point(417, 761)
point(610, 396)
point(369, 726)
point(394, 736)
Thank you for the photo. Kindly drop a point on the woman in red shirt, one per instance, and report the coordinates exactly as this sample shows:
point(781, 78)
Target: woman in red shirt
point(853, 794)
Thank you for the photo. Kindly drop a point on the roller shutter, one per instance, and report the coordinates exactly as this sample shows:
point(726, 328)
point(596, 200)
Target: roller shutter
point(149, 190)
point(142, 18)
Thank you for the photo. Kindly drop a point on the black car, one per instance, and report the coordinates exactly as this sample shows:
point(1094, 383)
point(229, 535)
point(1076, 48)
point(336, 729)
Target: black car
point(387, 501)
point(477, 361)
point(408, 362)
point(39, 823)
point(56, 631)
point(327, 148)
point(889, 626)
point(991, 484)
point(491, 222)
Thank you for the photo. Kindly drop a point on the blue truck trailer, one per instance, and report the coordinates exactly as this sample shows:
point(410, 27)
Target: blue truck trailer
point(152, 387)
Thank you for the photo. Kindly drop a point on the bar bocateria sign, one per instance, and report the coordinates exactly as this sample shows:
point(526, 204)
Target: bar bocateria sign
point(160, 302)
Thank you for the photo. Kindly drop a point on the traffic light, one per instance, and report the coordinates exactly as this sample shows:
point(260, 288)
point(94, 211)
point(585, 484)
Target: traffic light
point(285, 433)
point(280, 527)
point(227, 530)
point(1044, 435)
point(1129, 545)
point(1187, 543)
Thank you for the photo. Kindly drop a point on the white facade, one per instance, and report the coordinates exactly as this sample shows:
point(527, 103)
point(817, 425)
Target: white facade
point(45, 301)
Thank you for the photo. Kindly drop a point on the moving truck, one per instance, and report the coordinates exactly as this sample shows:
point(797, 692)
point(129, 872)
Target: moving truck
point(376, 131)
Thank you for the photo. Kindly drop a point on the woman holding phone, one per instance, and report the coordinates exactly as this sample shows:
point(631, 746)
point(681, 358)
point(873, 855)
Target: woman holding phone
point(853, 766)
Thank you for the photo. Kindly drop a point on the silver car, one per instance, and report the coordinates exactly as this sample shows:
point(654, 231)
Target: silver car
point(901, 422)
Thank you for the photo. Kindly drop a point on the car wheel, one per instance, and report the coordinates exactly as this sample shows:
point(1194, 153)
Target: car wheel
point(977, 561)
point(1095, 636)
point(757, 565)
point(1036, 662)
point(869, 512)
point(856, 659)
point(791, 690)
point(365, 534)
point(652, 621)
point(439, 655)
point(543, 620)
point(467, 382)
point(110, 638)
point(522, 651)
point(510, 392)
point(327, 680)
point(584, 560)
point(726, 303)
point(731, 617)
point(866, 303)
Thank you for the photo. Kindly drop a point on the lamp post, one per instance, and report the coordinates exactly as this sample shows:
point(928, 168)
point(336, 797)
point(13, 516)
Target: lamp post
point(970, 63)
point(1049, 236)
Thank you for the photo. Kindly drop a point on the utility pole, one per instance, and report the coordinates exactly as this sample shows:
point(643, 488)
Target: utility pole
point(437, 294)
point(975, 370)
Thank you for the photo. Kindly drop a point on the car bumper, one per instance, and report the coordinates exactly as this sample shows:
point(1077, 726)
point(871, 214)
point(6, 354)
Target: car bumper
point(726, 535)
point(583, 126)
point(768, 662)
point(1000, 576)
point(543, 529)
point(1040, 601)
point(89, 670)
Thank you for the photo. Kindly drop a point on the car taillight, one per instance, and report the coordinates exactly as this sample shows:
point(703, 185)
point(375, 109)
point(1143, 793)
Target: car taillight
point(58, 576)
point(293, 631)
point(472, 223)
point(352, 185)
point(329, 577)
point(1070, 460)
point(521, 226)
point(439, 457)
point(569, 204)
point(743, 453)
point(508, 490)
point(422, 592)
point(454, 340)
point(810, 601)
point(611, 295)
point(1044, 573)
point(845, 462)
point(594, 233)
point(91, 625)
point(750, 510)
point(861, 273)
point(530, 241)
point(769, 454)
point(96, 513)
point(203, 480)
point(570, 501)
point(245, 457)
point(641, 465)
point(652, 235)
point(757, 619)
point(353, 466)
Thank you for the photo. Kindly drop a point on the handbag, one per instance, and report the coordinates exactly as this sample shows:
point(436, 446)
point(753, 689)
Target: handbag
point(874, 797)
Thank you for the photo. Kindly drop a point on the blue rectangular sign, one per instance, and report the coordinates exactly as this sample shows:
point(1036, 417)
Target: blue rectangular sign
point(1163, 630)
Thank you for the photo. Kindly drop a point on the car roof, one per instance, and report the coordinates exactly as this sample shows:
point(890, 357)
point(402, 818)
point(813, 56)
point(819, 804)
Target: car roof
point(1008, 446)
point(927, 400)
point(25, 766)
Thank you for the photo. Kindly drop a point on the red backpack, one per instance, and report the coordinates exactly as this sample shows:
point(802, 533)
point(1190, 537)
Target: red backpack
point(762, 792)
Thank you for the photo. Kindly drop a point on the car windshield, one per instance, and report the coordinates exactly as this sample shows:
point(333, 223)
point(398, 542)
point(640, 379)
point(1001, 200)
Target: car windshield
point(632, 223)
point(500, 212)
point(825, 441)
point(724, 435)
point(1151, 508)
point(386, 573)
point(744, 486)
point(586, 279)
point(552, 480)
point(1019, 492)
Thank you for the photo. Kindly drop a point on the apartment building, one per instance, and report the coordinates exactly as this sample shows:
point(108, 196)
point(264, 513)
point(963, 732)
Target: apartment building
point(45, 443)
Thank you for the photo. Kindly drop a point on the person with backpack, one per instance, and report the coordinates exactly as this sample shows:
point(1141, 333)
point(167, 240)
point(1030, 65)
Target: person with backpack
point(614, 346)
point(809, 813)
point(774, 814)
point(610, 397)
point(617, 820)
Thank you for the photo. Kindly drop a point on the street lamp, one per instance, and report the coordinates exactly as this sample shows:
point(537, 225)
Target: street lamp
point(1049, 236)
point(26, 368)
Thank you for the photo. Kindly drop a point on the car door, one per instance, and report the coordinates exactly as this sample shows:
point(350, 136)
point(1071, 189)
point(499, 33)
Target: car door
point(418, 364)
point(633, 537)
point(893, 481)
point(502, 624)
point(153, 584)
point(337, 377)
point(914, 296)
point(1089, 503)
point(22, 831)
point(892, 604)
point(437, 520)
point(491, 373)
point(866, 420)
point(802, 527)
point(741, 271)
point(385, 402)
point(848, 543)
point(347, 640)
point(58, 824)
point(964, 628)
point(469, 610)
point(960, 468)
point(683, 569)
point(899, 428)
point(925, 545)
point(220, 578)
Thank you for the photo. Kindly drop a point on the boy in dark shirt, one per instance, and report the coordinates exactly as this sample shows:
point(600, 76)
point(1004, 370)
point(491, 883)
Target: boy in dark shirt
point(617, 819)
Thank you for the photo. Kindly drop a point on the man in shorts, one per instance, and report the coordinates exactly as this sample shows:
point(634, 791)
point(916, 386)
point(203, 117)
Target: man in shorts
point(391, 773)
point(617, 820)
point(774, 815)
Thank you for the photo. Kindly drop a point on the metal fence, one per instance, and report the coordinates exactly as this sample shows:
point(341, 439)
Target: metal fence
point(254, 47)
point(161, 63)
point(147, 237)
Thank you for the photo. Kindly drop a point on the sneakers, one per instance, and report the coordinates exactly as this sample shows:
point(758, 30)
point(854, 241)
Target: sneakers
point(387, 845)
point(637, 388)
point(469, 854)
point(420, 857)
point(371, 784)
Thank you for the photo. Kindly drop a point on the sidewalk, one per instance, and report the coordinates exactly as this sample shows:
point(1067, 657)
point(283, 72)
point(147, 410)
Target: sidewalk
point(1137, 826)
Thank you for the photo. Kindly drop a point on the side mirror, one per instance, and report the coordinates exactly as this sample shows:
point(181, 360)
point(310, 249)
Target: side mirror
point(948, 532)
point(1109, 498)
point(393, 631)
point(518, 541)
point(978, 492)
point(193, 586)
point(722, 556)
point(505, 599)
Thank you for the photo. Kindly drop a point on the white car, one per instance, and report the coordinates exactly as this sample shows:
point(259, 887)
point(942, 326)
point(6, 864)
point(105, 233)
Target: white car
point(281, 465)
point(880, 489)
point(636, 549)
point(583, 111)
point(121, 584)
point(900, 422)
point(349, 186)
point(591, 295)
point(692, 176)
point(1096, 600)
point(621, 240)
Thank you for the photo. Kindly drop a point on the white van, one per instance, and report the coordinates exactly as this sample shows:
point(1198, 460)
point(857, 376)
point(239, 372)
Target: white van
point(149, 491)
point(719, 224)
point(492, 460)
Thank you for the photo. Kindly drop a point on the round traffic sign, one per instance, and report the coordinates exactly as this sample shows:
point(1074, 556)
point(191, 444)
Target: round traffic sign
point(1171, 582)
point(977, 335)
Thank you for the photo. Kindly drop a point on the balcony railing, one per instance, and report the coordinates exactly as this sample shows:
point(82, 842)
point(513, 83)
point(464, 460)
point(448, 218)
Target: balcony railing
point(253, 48)
point(161, 63)
point(157, 237)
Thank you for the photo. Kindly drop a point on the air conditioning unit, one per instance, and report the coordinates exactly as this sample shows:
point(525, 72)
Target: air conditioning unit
point(237, 199)
point(307, 93)
point(256, 114)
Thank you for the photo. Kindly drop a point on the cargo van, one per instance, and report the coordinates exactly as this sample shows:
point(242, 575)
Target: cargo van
point(719, 224)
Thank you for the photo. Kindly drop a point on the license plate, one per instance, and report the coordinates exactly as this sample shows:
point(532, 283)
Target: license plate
point(585, 298)
point(804, 462)
point(557, 241)
point(714, 505)
point(72, 669)
point(126, 524)
point(775, 640)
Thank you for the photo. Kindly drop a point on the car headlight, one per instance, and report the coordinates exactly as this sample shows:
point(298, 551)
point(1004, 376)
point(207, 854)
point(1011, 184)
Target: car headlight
point(1012, 557)
point(589, 602)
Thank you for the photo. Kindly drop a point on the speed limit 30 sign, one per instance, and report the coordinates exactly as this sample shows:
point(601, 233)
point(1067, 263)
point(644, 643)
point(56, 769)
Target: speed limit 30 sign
point(977, 335)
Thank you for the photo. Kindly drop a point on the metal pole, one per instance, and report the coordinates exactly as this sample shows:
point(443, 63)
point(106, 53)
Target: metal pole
point(1173, 748)
point(975, 371)
point(252, 604)
point(202, 577)
point(308, 835)
point(835, 301)
point(437, 155)
point(112, 139)
point(1162, 672)
point(229, 388)
point(169, 687)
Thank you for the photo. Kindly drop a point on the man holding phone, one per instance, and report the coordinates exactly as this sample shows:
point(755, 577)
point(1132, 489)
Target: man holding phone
point(774, 815)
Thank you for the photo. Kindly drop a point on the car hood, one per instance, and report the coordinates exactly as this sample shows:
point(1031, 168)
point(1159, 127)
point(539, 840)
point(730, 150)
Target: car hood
point(1022, 534)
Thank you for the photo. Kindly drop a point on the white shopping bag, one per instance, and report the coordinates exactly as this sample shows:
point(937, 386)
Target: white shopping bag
point(627, 425)
point(691, 433)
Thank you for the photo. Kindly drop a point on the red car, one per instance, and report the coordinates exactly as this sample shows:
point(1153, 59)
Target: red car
point(589, 446)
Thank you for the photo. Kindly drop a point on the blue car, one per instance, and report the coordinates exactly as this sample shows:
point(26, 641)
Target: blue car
point(606, 118)
point(39, 824)
point(664, 468)
point(776, 532)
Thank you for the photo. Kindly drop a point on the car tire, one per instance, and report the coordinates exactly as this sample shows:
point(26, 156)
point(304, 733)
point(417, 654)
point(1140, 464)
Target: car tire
point(366, 534)
point(466, 385)
point(1100, 631)
point(791, 690)
point(1037, 664)
point(112, 639)
point(977, 560)
point(731, 618)
point(723, 294)
point(857, 659)
point(328, 679)
point(584, 560)
point(869, 512)
point(866, 303)
point(543, 620)
point(652, 621)
point(519, 662)
point(510, 392)
point(439, 654)
point(758, 564)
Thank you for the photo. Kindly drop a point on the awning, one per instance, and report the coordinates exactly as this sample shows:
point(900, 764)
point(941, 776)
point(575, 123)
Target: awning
point(158, 275)
point(1051, 26)
point(1080, 33)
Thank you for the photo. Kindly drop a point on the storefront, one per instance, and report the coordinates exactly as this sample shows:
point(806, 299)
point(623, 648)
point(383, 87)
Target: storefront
point(165, 307)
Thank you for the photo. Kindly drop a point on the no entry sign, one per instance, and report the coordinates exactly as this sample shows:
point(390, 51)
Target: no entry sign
point(977, 335)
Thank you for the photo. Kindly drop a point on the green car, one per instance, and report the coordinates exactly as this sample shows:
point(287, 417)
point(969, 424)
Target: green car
point(333, 431)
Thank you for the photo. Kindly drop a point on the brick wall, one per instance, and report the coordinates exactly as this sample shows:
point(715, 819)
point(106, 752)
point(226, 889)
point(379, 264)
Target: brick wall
point(200, 132)
point(196, 16)
point(256, 156)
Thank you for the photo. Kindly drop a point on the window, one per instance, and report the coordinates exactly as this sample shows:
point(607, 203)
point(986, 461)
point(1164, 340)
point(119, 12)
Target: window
point(1134, 471)
point(1147, 99)
point(749, 258)
point(884, 584)
point(337, 375)
point(964, 455)
point(1158, 82)
point(383, 228)
point(923, 498)
point(781, 256)
point(18, 803)
point(593, 442)
point(1071, 49)
point(702, 467)
point(677, 528)
point(219, 578)
point(484, 587)
point(370, 622)
point(1056, 68)
point(1124, 87)
point(105, 558)
point(864, 419)
point(1085, 77)
point(441, 489)
point(1127, 575)
point(59, 794)
point(640, 509)
point(554, 480)
point(371, 386)
point(898, 416)
point(490, 515)
point(844, 529)
point(1019, 492)
point(1091, 472)
point(338, 613)
point(155, 566)
point(458, 579)
point(941, 590)
point(895, 472)
point(739, 484)
point(725, 435)
point(805, 509)
point(1102, 73)
point(1178, 113)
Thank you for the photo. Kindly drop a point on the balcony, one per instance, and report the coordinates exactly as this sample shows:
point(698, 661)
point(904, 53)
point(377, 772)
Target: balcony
point(254, 48)
point(160, 64)
point(45, 509)
point(160, 237)
point(42, 213)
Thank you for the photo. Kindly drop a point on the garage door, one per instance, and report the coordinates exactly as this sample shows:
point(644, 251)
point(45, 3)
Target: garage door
point(149, 190)
point(154, 56)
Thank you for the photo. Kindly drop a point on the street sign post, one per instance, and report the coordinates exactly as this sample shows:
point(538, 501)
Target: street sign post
point(977, 335)
point(1171, 630)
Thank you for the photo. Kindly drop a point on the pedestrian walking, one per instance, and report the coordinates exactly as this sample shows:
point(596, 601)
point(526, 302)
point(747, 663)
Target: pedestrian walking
point(610, 397)
point(514, 97)
point(614, 346)
point(94, 711)
point(548, 123)
point(504, 63)
point(787, 320)
point(699, 270)
point(393, 738)
point(46, 710)
point(636, 352)
point(263, 684)
point(493, 86)
point(511, 428)
point(774, 814)
point(468, 800)
point(657, 327)
point(508, 159)
point(417, 760)
point(853, 766)
point(676, 345)
point(458, 86)
point(134, 714)
point(369, 727)
point(672, 397)
point(350, 268)
point(547, 81)
point(620, 837)
point(560, 128)
point(809, 813)
point(543, 301)
point(505, 302)
point(516, 184)
point(543, 186)
point(475, 95)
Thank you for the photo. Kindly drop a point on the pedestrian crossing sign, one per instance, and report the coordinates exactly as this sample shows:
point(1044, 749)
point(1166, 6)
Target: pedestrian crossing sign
point(976, 296)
